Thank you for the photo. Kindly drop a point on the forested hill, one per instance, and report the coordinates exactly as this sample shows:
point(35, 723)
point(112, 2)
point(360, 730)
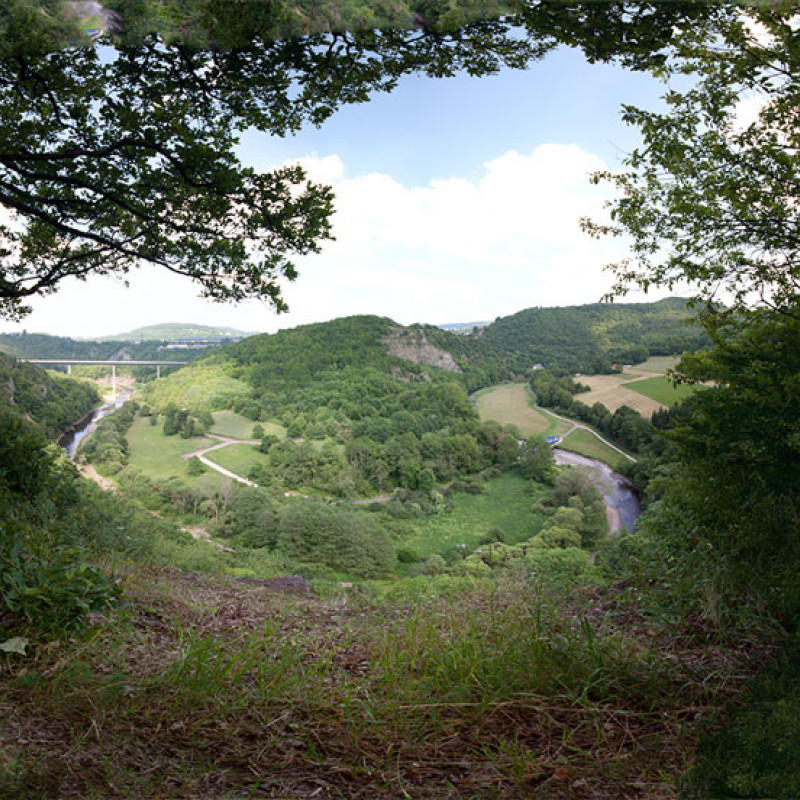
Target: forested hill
point(591, 338)
point(299, 355)
point(361, 377)
point(42, 345)
point(55, 402)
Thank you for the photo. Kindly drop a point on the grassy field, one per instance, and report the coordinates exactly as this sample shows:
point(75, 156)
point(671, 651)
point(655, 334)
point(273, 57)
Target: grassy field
point(587, 444)
point(511, 403)
point(612, 391)
point(159, 456)
point(642, 387)
point(238, 458)
point(655, 364)
point(506, 504)
point(661, 390)
point(229, 423)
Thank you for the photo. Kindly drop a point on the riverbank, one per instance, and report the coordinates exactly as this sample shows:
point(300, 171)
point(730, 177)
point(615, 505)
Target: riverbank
point(70, 440)
point(620, 496)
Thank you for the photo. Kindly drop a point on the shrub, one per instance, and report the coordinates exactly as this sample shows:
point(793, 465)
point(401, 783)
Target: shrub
point(406, 555)
point(560, 567)
point(52, 587)
point(194, 467)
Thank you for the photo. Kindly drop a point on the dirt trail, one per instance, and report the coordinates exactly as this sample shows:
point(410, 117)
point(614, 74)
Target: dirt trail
point(224, 441)
point(88, 471)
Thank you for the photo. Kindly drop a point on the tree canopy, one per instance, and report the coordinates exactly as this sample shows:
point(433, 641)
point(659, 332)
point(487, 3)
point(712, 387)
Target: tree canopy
point(124, 154)
point(710, 197)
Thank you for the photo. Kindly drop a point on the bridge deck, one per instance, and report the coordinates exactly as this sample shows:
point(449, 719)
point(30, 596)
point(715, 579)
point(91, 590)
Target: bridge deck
point(110, 363)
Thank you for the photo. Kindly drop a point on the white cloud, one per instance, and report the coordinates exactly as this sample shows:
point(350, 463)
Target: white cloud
point(458, 249)
point(451, 250)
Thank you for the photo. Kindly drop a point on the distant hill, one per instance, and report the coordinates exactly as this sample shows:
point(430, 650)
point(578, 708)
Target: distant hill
point(171, 340)
point(170, 331)
point(42, 345)
point(592, 338)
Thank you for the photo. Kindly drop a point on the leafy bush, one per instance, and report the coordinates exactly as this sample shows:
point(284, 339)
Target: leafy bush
point(560, 567)
point(351, 542)
point(52, 588)
point(406, 555)
point(194, 467)
point(45, 578)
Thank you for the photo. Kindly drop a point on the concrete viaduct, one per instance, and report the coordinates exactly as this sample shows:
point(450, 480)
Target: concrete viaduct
point(44, 362)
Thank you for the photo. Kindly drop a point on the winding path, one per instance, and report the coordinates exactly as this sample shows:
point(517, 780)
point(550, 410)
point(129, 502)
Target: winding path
point(224, 441)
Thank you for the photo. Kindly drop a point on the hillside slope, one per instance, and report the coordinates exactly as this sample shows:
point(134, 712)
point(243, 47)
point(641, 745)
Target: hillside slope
point(591, 338)
point(304, 353)
point(55, 402)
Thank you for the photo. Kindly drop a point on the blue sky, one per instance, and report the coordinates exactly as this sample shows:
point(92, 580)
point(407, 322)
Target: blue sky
point(457, 200)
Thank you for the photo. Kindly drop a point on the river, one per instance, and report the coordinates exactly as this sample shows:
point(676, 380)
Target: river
point(70, 442)
point(621, 499)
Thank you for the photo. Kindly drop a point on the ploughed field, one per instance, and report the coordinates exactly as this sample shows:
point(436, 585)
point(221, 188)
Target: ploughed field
point(642, 387)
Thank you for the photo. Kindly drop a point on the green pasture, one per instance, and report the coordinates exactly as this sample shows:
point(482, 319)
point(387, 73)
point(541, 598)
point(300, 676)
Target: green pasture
point(658, 364)
point(586, 443)
point(505, 504)
point(661, 389)
point(235, 426)
point(238, 458)
point(158, 456)
point(512, 404)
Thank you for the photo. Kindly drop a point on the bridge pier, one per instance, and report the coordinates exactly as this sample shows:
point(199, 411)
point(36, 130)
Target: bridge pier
point(113, 379)
point(158, 371)
point(69, 369)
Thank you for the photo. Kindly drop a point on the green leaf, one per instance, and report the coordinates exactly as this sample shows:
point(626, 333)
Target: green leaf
point(16, 644)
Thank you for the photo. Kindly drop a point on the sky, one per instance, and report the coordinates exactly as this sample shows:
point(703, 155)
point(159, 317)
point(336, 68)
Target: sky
point(457, 200)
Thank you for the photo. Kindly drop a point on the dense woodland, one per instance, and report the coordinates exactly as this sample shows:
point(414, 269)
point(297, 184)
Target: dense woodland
point(596, 338)
point(43, 397)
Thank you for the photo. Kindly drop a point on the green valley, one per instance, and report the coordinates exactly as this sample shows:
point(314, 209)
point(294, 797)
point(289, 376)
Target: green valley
point(549, 557)
point(380, 485)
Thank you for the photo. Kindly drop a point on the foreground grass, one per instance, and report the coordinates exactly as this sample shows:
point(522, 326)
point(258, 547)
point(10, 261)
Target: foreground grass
point(216, 690)
point(586, 443)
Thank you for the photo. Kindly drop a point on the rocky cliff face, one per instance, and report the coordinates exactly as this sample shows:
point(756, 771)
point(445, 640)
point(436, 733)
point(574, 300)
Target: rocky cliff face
point(414, 347)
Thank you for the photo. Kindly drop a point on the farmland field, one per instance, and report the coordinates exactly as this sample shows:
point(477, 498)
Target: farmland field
point(642, 387)
point(511, 403)
point(159, 456)
point(587, 444)
point(611, 391)
point(235, 426)
point(661, 390)
point(655, 364)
